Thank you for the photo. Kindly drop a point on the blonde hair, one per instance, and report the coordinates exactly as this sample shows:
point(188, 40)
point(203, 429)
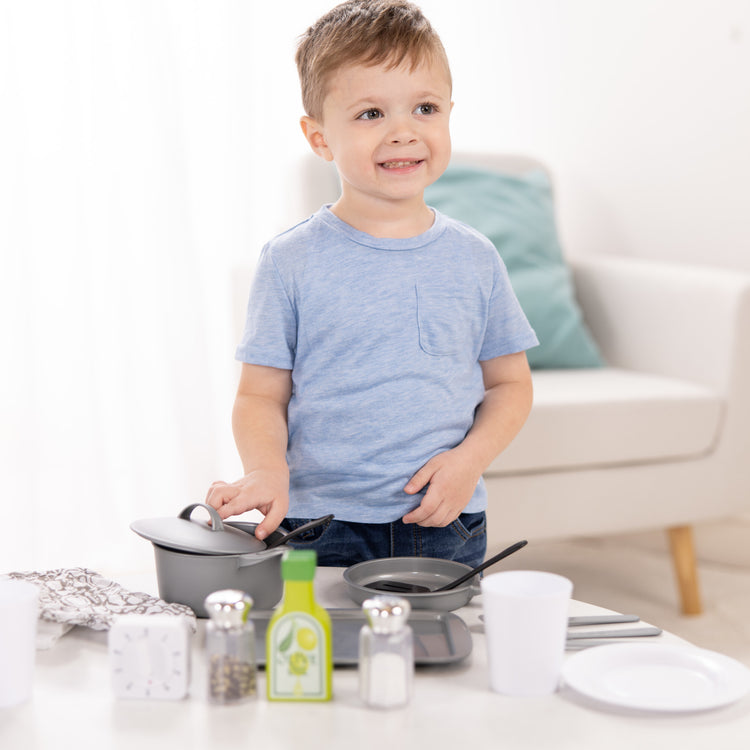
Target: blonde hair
point(366, 32)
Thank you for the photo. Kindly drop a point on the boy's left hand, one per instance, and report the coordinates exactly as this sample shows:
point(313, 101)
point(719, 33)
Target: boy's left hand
point(450, 482)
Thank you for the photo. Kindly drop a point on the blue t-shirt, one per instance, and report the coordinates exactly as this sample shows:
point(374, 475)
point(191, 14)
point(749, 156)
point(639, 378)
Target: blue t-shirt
point(384, 339)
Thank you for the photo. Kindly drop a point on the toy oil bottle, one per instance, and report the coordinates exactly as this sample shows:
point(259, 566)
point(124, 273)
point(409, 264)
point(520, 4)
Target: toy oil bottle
point(299, 648)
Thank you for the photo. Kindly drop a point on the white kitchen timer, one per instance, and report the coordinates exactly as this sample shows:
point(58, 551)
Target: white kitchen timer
point(149, 657)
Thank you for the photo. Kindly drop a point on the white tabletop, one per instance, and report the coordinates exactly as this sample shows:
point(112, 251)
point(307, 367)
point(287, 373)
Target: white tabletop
point(453, 706)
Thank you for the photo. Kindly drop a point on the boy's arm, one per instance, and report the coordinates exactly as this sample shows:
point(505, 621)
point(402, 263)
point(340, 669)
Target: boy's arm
point(259, 422)
point(453, 475)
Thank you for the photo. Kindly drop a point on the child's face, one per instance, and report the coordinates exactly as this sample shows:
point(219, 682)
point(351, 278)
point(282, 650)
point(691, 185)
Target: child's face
point(386, 130)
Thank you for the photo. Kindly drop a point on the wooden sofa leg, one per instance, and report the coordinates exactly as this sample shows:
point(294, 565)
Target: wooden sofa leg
point(686, 568)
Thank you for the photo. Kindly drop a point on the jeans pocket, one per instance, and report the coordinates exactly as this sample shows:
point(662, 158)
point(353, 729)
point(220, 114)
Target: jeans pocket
point(470, 525)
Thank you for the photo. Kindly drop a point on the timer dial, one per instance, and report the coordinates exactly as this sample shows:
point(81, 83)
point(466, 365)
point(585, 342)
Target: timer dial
point(149, 657)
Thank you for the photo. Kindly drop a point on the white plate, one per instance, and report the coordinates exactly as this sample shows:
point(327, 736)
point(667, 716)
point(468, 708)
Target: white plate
point(657, 677)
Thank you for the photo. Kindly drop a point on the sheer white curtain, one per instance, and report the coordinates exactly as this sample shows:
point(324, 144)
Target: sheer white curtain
point(126, 195)
point(147, 148)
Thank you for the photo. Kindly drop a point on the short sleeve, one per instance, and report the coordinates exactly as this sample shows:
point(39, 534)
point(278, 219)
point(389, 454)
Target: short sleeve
point(508, 330)
point(270, 333)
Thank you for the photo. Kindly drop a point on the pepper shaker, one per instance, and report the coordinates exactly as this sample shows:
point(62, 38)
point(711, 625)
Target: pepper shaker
point(230, 647)
point(386, 653)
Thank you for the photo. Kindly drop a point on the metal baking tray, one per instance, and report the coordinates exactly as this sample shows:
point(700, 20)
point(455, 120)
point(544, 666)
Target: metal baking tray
point(439, 637)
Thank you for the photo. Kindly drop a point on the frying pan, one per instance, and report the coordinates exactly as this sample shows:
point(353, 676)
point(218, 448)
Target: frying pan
point(432, 572)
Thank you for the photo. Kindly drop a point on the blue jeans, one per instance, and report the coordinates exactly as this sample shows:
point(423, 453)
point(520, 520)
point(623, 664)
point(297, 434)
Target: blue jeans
point(344, 543)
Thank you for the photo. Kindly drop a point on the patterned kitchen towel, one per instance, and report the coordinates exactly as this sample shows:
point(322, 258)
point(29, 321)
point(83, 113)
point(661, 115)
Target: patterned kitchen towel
point(79, 596)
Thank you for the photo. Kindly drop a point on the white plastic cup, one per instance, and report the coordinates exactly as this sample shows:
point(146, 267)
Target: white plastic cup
point(525, 622)
point(19, 610)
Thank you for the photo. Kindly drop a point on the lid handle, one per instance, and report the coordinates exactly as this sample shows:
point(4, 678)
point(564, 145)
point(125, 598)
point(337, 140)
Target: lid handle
point(216, 523)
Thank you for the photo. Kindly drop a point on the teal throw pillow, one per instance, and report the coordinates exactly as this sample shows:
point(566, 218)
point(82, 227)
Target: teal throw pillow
point(517, 215)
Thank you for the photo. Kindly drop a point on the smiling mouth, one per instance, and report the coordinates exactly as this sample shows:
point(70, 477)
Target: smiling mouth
point(401, 164)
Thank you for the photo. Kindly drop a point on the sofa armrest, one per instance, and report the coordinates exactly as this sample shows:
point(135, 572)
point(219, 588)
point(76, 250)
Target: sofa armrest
point(666, 318)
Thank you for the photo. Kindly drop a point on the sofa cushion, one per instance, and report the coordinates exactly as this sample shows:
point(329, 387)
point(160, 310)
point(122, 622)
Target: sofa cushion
point(608, 416)
point(517, 214)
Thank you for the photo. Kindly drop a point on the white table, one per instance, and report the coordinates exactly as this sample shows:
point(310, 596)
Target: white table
point(73, 707)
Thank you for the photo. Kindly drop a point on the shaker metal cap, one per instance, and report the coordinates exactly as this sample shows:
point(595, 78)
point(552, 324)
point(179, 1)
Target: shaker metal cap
point(386, 614)
point(228, 608)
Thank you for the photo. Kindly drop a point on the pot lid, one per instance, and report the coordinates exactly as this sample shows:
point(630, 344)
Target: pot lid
point(184, 534)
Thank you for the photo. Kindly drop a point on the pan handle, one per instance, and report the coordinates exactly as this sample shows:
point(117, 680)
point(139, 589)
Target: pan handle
point(216, 523)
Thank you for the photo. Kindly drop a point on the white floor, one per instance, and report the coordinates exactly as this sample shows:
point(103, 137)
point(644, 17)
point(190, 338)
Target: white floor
point(634, 574)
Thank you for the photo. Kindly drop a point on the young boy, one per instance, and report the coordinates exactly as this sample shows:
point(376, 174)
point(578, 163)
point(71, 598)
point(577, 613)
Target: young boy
point(384, 361)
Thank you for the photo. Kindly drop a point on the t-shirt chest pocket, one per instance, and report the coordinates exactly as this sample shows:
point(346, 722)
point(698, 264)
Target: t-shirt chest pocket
point(448, 324)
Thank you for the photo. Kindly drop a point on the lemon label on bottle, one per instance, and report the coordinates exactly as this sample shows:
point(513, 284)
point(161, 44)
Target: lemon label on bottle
point(298, 658)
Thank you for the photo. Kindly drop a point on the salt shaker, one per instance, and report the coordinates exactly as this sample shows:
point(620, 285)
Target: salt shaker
point(230, 647)
point(386, 653)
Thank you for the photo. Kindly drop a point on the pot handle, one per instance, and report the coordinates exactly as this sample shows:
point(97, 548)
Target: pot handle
point(216, 523)
point(253, 558)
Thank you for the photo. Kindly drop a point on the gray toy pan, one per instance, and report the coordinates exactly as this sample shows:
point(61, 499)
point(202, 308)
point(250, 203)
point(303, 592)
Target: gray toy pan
point(432, 572)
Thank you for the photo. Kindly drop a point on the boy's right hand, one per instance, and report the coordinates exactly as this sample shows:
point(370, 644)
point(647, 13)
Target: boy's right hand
point(262, 489)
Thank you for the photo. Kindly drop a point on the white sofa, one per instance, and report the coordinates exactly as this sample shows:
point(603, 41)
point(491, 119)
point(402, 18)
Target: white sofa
point(659, 438)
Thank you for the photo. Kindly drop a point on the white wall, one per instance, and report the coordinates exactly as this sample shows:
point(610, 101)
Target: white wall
point(642, 109)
